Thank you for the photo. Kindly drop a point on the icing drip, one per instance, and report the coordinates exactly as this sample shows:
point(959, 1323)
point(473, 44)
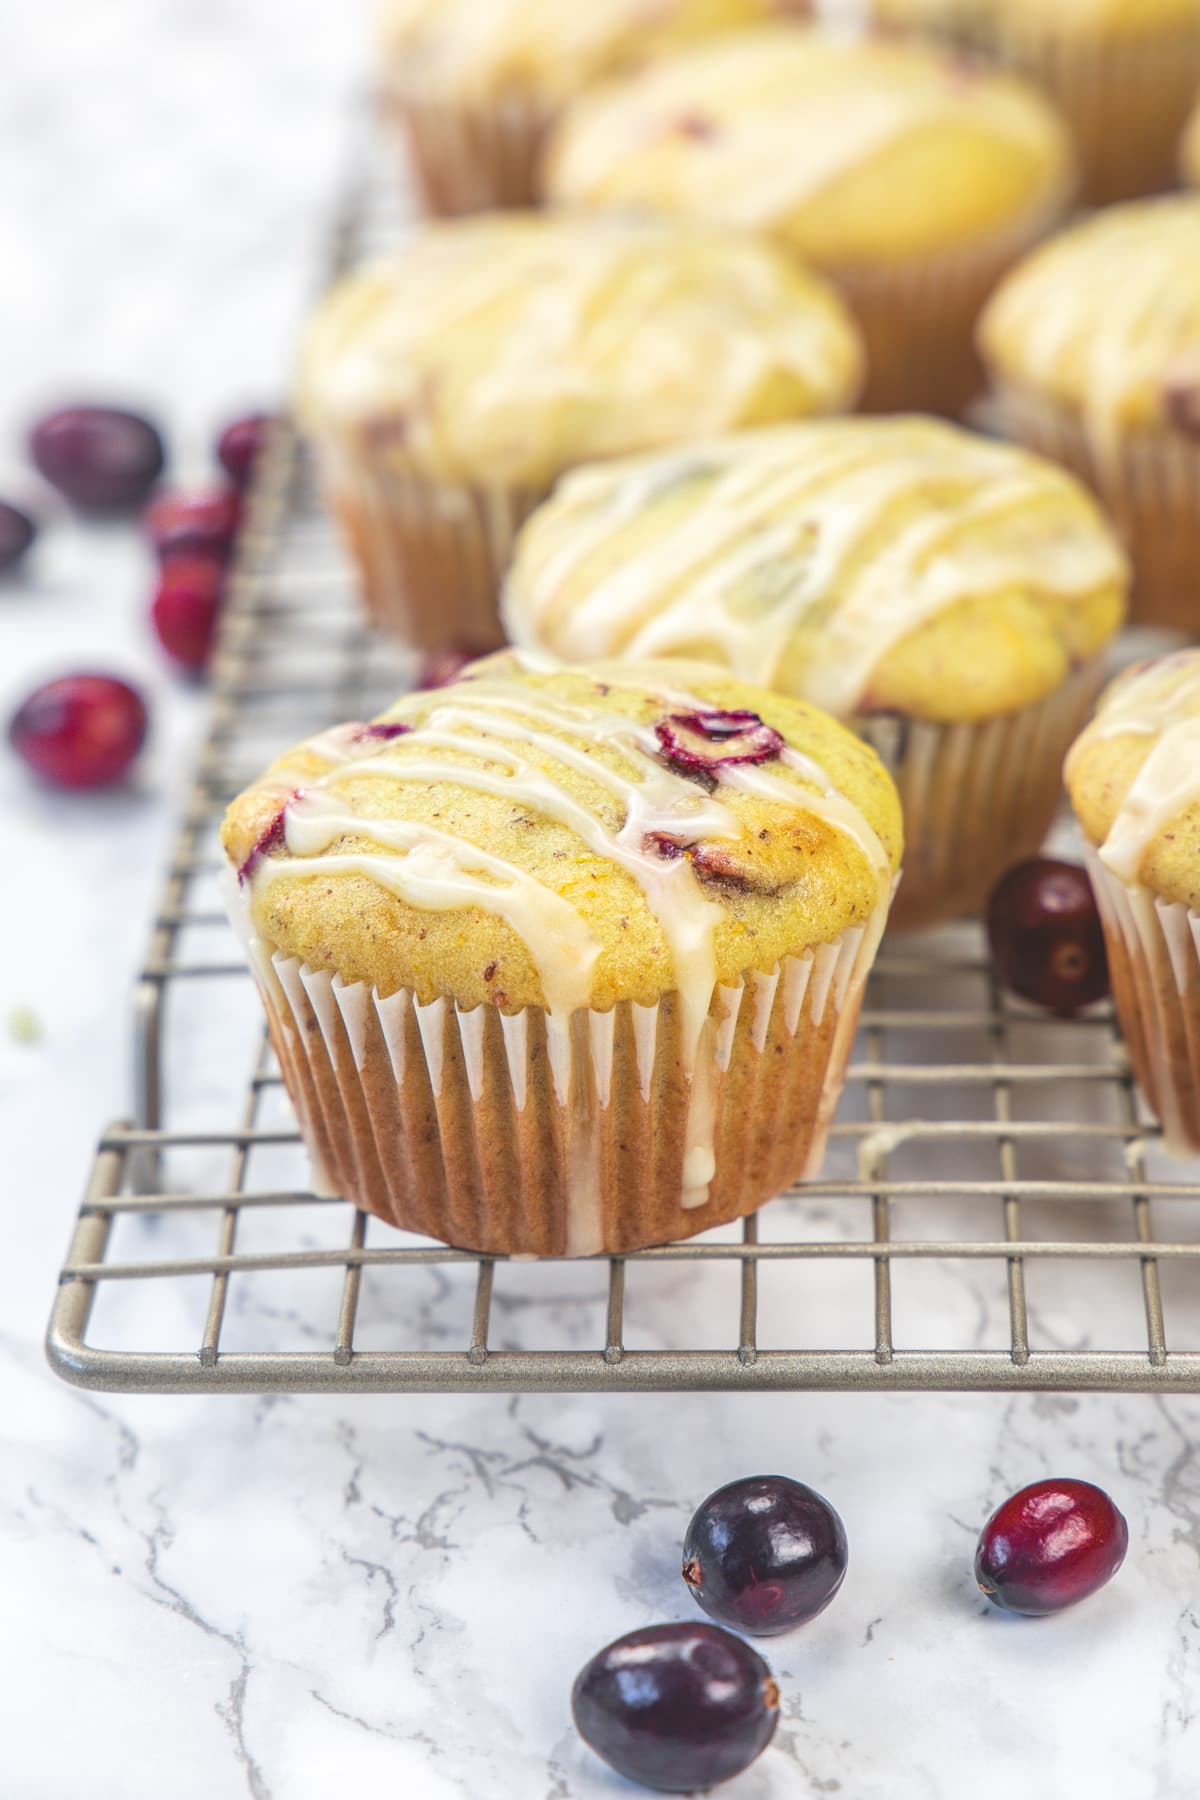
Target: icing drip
point(851, 534)
point(1161, 701)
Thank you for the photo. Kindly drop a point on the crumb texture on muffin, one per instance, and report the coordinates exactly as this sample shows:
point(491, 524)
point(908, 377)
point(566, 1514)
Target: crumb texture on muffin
point(473, 49)
point(503, 349)
point(1134, 778)
point(863, 565)
point(533, 836)
point(1105, 322)
point(856, 154)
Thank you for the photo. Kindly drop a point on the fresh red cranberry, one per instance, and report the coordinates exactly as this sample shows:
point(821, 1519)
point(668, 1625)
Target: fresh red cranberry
point(764, 1554)
point(17, 532)
point(1046, 938)
point(240, 445)
point(443, 669)
point(203, 524)
point(698, 743)
point(81, 731)
point(272, 837)
point(101, 458)
point(185, 608)
point(1050, 1546)
point(381, 731)
point(677, 1707)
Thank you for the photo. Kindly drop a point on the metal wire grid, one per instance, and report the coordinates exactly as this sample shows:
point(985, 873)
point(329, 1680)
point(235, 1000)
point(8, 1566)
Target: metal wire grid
point(990, 1180)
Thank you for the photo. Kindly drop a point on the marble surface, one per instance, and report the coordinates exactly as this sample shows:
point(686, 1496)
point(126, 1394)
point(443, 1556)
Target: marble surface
point(293, 1599)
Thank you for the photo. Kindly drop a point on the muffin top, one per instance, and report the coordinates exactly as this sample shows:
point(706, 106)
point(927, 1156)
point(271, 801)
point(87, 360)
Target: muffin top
point(504, 349)
point(1105, 321)
point(473, 50)
point(854, 153)
point(1189, 155)
point(862, 564)
point(1051, 18)
point(537, 836)
point(1134, 777)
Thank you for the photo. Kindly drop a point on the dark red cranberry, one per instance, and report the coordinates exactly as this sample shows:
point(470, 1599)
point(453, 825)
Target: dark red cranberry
point(240, 444)
point(1050, 1546)
point(185, 609)
point(381, 731)
point(81, 731)
point(764, 1554)
point(677, 1707)
point(441, 670)
point(102, 459)
point(698, 743)
point(273, 837)
point(204, 524)
point(1045, 934)
point(17, 532)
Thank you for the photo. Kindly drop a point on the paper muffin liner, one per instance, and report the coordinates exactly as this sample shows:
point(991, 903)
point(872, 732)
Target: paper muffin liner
point(430, 555)
point(918, 320)
point(976, 798)
point(468, 158)
point(1154, 962)
point(1126, 99)
point(1151, 489)
point(530, 1134)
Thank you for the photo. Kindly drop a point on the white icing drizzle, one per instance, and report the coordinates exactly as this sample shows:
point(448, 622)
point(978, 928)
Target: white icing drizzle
point(862, 531)
point(1107, 316)
point(479, 735)
point(1161, 700)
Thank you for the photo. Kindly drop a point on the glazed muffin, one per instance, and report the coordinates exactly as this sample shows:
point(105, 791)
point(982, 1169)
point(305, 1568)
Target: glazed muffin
point(912, 179)
point(1189, 155)
point(450, 385)
point(1123, 72)
point(948, 597)
point(1093, 347)
point(567, 961)
point(1134, 781)
point(473, 86)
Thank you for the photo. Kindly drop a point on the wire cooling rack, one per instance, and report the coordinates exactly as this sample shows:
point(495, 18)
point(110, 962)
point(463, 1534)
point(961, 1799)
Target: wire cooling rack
point(994, 1212)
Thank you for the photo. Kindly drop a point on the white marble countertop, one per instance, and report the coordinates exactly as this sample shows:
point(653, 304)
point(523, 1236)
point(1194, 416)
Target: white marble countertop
point(299, 1598)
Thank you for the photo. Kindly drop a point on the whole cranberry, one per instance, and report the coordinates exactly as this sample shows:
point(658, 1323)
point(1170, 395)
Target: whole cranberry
point(81, 731)
point(101, 458)
point(1050, 1546)
point(764, 1554)
point(185, 608)
point(17, 532)
point(1046, 938)
point(241, 443)
point(193, 524)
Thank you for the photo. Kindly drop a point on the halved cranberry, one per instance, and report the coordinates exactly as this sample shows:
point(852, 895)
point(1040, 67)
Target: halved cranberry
point(193, 524)
point(1050, 1545)
point(185, 608)
point(698, 743)
point(81, 731)
point(1045, 935)
point(446, 667)
point(98, 456)
point(17, 532)
point(382, 732)
point(241, 443)
point(274, 837)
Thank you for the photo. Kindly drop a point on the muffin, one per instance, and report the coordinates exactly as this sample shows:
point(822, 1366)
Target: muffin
point(473, 88)
point(1123, 72)
point(909, 177)
point(948, 597)
point(566, 961)
point(1093, 347)
point(1134, 781)
point(448, 386)
point(1189, 155)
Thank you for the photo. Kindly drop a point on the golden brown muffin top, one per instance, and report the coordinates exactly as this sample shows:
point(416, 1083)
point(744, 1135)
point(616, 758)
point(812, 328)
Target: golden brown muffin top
point(855, 154)
point(898, 565)
point(539, 836)
point(1134, 777)
point(504, 349)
